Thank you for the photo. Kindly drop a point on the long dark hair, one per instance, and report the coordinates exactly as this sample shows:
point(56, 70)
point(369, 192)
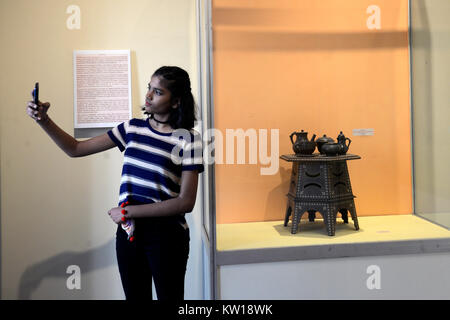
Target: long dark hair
point(177, 81)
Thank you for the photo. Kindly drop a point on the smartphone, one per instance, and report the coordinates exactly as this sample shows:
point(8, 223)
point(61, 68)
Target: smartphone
point(36, 93)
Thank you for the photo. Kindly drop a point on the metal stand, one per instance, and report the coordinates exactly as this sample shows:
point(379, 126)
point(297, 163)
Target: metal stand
point(320, 184)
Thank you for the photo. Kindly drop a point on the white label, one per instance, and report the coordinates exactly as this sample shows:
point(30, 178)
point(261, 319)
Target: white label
point(363, 132)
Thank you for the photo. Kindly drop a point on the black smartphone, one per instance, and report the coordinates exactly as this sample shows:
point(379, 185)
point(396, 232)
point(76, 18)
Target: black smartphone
point(36, 93)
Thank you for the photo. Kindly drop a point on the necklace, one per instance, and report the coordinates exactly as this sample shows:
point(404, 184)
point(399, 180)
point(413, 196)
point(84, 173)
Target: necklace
point(162, 122)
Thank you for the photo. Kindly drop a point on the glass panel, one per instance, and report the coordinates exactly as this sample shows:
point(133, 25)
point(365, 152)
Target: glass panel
point(321, 66)
point(430, 52)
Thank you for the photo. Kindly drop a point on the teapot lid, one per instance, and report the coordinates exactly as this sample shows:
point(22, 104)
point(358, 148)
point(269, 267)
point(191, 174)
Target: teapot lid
point(325, 139)
point(340, 136)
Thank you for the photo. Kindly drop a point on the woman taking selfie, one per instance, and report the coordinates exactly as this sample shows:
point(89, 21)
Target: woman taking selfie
point(162, 160)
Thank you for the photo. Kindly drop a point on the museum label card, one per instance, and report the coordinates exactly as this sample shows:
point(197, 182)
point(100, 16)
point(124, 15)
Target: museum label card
point(102, 88)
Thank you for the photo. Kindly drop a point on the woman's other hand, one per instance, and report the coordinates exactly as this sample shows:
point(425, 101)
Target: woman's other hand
point(117, 216)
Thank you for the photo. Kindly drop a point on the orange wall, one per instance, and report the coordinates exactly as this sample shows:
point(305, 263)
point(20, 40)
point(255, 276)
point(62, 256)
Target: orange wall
point(313, 65)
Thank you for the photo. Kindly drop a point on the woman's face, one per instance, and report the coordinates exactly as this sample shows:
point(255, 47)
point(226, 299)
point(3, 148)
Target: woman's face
point(158, 99)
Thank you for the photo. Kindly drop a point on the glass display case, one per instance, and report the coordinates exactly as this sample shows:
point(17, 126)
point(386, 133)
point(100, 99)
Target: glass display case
point(377, 72)
point(430, 75)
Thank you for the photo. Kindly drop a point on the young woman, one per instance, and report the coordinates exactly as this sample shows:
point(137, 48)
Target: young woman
point(162, 161)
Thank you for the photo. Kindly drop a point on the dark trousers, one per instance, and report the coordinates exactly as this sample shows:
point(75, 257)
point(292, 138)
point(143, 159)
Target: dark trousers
point(160, 251)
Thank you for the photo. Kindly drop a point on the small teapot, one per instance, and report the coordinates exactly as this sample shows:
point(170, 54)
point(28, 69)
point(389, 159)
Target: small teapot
point(332, 149)
point(341, 139)
point(321, 141)
point(303, 146)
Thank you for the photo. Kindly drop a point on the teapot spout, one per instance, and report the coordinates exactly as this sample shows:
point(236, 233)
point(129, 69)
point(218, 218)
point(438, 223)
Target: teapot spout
point(313, 137)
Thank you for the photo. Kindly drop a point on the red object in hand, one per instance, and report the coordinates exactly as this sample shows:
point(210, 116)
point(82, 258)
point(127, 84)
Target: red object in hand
point(123, 205)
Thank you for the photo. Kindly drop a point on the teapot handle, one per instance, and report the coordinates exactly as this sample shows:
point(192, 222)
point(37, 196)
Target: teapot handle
point(349, 141)
point(291, 136)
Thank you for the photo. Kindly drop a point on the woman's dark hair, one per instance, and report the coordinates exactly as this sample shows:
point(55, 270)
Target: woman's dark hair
point(177, 81)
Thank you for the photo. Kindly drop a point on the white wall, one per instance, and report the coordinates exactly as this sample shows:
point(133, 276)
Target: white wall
point(417, 276)
point(53, 208)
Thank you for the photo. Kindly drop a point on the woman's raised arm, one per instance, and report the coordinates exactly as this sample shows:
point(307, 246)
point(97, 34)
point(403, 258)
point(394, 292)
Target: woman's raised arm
point(67, 143)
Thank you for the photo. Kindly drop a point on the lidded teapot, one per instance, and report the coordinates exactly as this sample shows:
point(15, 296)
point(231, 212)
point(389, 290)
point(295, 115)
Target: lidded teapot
point(301, 145)
point(321, 141)
point(341, 139)
point(335, 149)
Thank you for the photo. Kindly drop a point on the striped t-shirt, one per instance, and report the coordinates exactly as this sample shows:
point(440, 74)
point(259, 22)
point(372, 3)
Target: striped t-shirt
point(154, 161)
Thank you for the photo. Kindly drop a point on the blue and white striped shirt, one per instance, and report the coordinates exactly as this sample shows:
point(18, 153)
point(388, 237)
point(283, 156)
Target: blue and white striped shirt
point(154, 161)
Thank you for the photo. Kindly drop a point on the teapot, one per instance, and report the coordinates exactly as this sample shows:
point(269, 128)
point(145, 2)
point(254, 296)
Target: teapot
point(321, 141)
point(332, 149)
point(341, 139)
point(303, 146)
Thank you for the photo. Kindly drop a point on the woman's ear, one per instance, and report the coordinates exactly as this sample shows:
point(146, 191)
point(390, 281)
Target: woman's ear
point(176, 103)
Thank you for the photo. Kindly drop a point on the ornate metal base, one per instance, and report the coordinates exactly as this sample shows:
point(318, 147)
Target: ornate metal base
point(329, 212)
point(320, 184)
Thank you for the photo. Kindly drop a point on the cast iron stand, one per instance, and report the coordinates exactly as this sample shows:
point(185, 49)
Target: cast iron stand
point(321, 184)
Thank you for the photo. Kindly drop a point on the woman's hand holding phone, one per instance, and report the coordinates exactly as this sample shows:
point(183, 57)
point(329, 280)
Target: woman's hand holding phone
point(36, 109)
